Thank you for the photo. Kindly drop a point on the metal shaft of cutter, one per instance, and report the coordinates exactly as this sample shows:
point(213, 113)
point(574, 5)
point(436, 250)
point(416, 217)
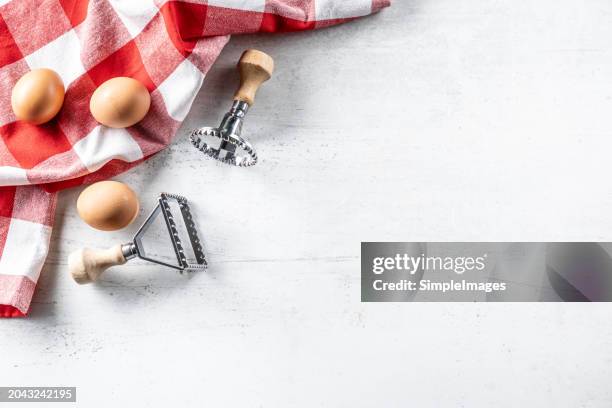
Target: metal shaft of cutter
point(129, 251)
point(231, 125)
point(232, 121)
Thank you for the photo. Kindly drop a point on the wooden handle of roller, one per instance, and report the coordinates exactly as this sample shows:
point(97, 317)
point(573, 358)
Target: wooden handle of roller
point(86, 265)
point(255, 68)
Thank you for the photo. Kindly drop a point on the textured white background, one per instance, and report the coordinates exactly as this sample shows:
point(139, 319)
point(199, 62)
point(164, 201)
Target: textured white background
point(435, 120)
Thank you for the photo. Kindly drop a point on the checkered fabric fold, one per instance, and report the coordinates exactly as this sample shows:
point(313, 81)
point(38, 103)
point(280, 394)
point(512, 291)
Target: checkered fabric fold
point(167, 45)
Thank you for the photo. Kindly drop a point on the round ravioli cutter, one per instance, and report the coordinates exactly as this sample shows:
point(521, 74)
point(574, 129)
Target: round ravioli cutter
point(225, 143)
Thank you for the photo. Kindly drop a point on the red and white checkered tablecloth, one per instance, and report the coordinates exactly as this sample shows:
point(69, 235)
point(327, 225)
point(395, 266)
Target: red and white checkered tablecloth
point(167, 45)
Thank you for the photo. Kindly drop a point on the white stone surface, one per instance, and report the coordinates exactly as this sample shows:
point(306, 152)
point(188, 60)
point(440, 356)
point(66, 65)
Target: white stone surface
point(435, 120)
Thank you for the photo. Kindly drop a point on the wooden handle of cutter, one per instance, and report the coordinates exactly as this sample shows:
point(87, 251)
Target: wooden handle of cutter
point(86, 265)
point(255, 68)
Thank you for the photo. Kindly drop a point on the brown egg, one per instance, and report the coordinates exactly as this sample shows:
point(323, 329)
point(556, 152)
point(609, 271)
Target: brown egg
point(108, 205)
point(38, 96)
point(120, 102)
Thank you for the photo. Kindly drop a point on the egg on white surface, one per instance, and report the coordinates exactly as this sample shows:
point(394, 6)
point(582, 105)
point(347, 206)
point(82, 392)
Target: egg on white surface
point(108, 205)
